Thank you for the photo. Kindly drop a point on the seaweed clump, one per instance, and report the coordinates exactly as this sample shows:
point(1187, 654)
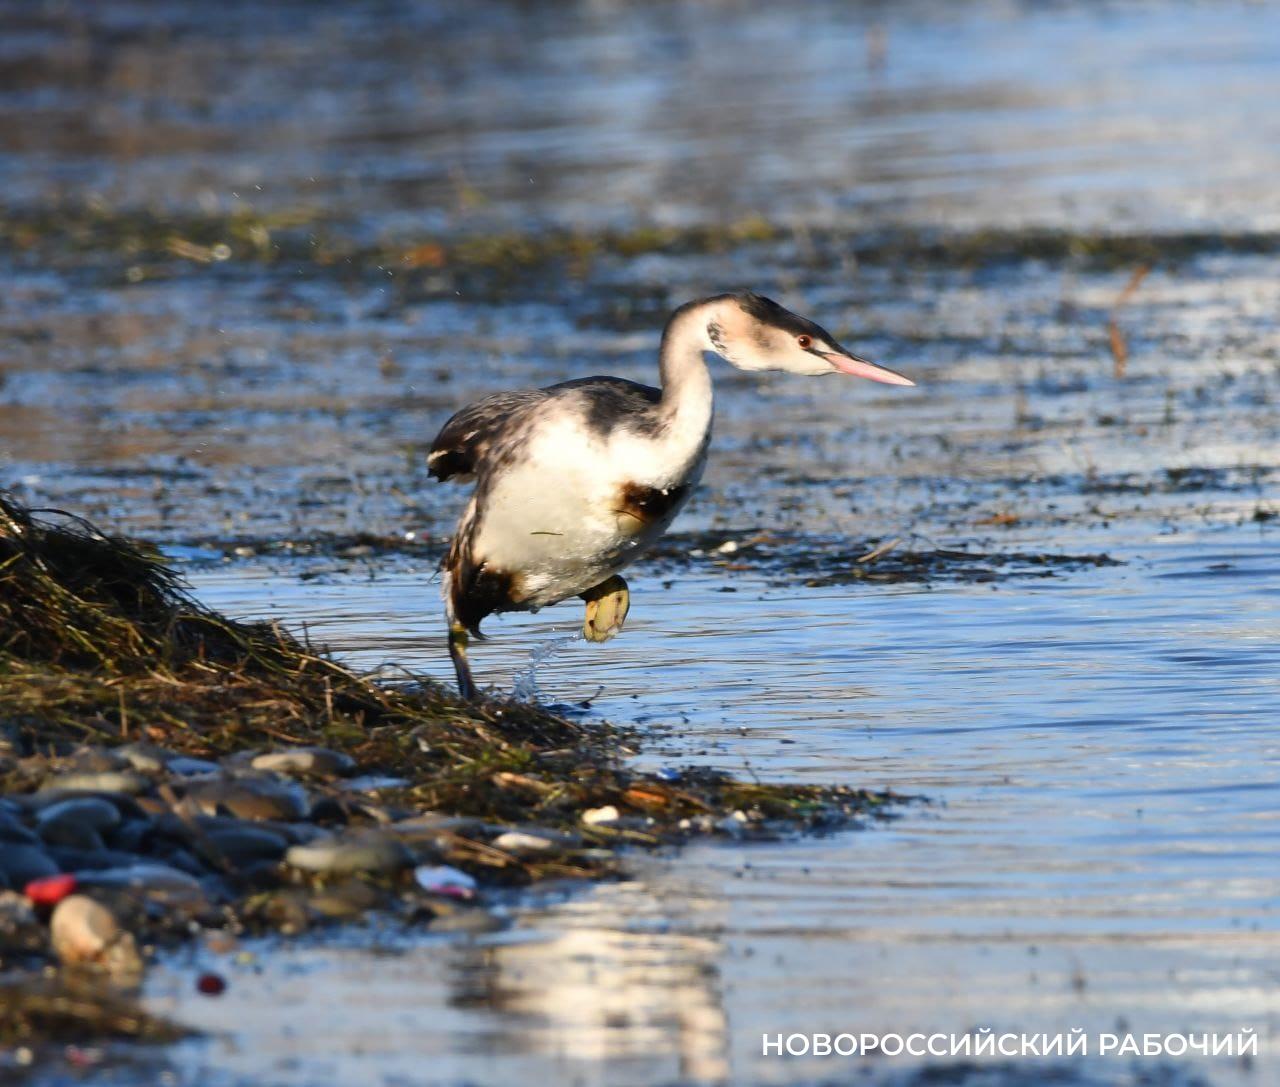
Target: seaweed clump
point(100, 643)
point(166, 771)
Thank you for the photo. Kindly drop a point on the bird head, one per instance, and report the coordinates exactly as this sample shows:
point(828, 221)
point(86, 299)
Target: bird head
point(754, 333)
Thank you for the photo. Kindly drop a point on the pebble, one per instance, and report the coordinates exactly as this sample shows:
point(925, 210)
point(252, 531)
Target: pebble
point(89, 760)
point(159, 882)
point(351, 854)
point(85, 933)
point(135, 836)
point(145, 758)
point(733, 825)
point(240, 844)
point(345, 902)
point(13, 831)
point(21, 864)
point(181, 859)
point(254, 798)
point(372, 783)
point(91, 811)
point(596, 816)
point(285, 910)
point(427, 836)
point(435, 823)
point(129, 782)
point(472, 922)
point(292, 833)
point(186, 767)
point(380, 813)
point(71, 834)
point(525, 843)
point(306, 760)
point(129, 807)
point(72, 860)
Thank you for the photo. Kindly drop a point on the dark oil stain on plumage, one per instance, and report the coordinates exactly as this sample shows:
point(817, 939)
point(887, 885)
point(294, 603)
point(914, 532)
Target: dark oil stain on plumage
point(475, 588)
point(482, 590)
point(649, 505)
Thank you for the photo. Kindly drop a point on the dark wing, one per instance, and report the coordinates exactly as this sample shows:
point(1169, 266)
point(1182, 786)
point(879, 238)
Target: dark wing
point(465, 440)
point(608, 403)
point(602, 403)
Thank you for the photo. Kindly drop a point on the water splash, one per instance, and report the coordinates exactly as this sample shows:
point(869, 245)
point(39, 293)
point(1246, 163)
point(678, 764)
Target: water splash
point(525, 682)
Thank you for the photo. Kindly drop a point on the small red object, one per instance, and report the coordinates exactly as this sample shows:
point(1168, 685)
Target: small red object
point(211, 984)
point(50, 890)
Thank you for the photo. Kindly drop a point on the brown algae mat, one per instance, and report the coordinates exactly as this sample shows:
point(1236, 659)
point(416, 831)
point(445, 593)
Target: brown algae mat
point(139, 245)
point(168, 774)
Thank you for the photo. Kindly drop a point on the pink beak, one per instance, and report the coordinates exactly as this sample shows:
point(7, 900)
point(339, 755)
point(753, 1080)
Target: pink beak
point(851, 364)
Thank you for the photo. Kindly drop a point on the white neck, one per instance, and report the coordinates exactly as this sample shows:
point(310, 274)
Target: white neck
point(686, 382)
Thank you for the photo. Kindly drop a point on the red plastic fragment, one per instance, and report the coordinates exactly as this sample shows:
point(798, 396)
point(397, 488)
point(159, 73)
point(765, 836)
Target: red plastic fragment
point(211, 984)
point(50, 890)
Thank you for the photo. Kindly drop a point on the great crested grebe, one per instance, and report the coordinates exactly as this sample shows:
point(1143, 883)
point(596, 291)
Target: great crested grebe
point(575, 481)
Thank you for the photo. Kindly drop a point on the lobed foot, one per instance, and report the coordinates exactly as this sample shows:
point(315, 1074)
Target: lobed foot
point(607, 607)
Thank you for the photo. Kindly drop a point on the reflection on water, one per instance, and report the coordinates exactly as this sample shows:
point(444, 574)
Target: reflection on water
point(1100, 755)
point(620, 985)
point(404, 115)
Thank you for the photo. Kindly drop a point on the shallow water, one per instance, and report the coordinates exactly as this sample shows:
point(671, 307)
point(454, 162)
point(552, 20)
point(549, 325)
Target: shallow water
point(1100, 757)
point(406, 115)
point(1097, 747)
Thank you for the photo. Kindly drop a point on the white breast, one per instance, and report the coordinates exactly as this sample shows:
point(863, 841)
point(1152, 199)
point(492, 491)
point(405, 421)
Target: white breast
point(553, 515)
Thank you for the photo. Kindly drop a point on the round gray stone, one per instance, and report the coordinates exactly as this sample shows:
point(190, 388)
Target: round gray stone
point(91, 811)
point(129, 782)
point(306, 760)
point(255, 798)
point(159, 882)
point(244, 843)
point(70, 835)
point(11, 830)
point(22, 863)
point(349, 855)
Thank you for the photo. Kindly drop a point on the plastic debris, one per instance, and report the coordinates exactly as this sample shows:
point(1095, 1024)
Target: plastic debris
point(51, 890)
point(211, 984)
point(443, 880)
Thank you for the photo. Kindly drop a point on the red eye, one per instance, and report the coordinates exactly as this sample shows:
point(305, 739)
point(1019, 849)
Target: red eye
point(805, 342)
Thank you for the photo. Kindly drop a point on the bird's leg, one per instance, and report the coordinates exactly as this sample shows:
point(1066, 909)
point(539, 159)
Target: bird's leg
point(607, 607)
point(458, 653)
